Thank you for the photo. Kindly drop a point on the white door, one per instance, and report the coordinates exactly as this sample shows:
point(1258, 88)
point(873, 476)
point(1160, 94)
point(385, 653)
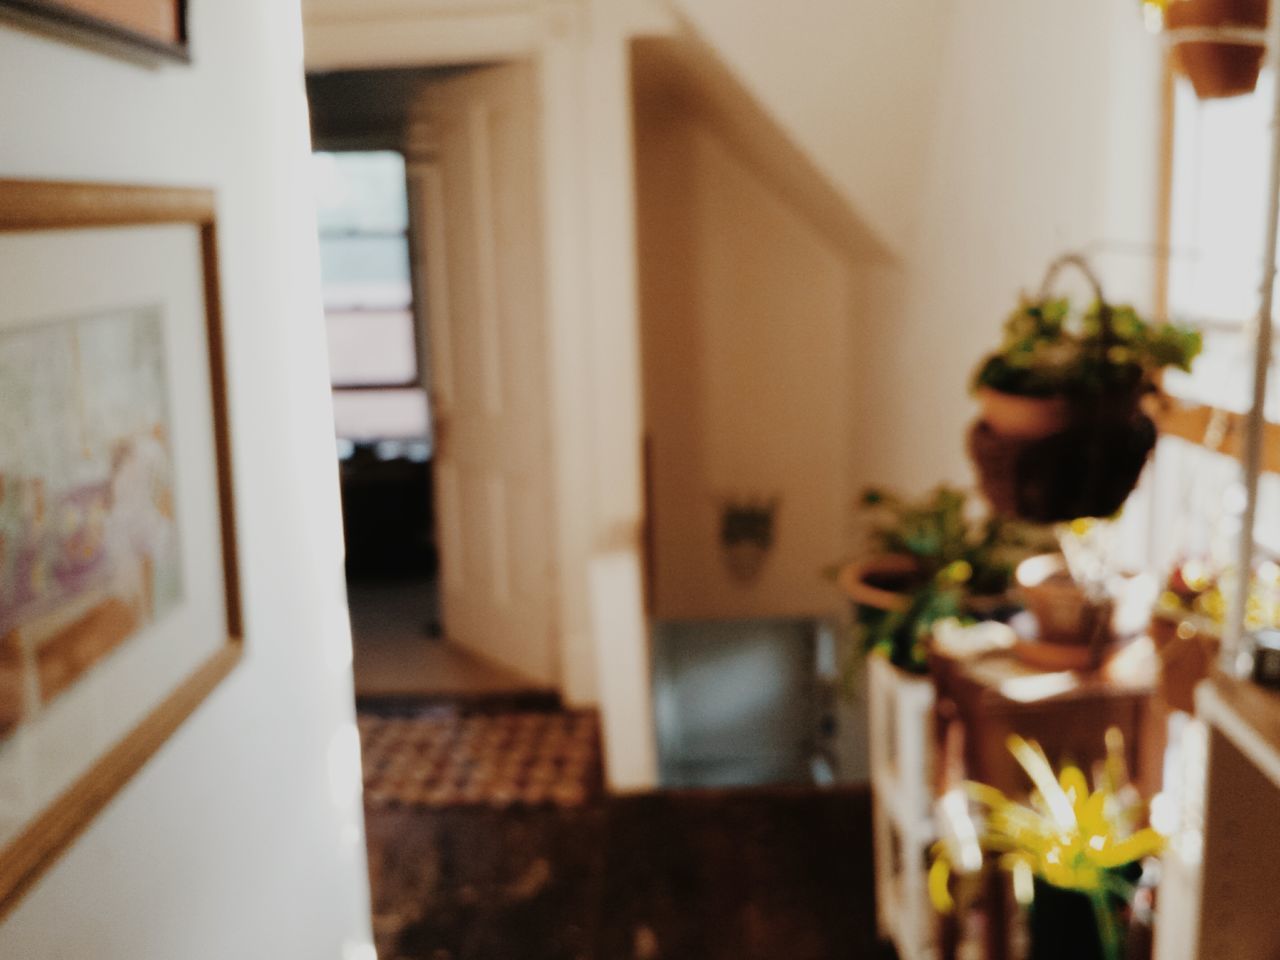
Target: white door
point(474, 177)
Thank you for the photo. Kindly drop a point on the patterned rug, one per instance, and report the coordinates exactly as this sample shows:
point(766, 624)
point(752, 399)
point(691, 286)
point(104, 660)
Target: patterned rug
point(442, 758)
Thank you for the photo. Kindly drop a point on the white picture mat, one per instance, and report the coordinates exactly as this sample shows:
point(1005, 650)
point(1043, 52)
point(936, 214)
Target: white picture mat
point(60, 275)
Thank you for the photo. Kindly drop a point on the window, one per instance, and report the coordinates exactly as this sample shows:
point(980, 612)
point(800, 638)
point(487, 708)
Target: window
point(1220, 152)
point(365, 267)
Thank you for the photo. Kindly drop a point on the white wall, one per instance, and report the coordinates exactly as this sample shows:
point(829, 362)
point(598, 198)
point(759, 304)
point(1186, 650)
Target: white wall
point(1046, 140)
point(979, 143)
point(747, 325)
point(979, 140)
point(854, 81)
point(242, 838)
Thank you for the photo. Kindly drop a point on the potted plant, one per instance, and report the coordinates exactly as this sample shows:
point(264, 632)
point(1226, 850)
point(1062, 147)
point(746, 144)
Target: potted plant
point(1216, 68)
point(930, 560)
point(1062, 433)
point(1075, 855)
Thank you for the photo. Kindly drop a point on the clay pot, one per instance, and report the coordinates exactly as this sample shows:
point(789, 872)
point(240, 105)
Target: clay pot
point(883, 582)
point(1219, 70)
point(1011, 415)
point(1067, 618)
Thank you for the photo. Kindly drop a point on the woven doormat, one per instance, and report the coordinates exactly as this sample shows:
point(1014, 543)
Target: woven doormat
point(442, 759)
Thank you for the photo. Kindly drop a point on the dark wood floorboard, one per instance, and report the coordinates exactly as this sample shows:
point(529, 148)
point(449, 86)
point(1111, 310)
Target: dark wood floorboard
point(740, 875)
point(725, 875)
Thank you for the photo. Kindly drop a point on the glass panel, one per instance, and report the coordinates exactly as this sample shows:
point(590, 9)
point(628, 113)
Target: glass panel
point(372, 348)
point(365, 415)
point(1220, 155)
point(1220, 150)
point(365, 271)
point(360, 192)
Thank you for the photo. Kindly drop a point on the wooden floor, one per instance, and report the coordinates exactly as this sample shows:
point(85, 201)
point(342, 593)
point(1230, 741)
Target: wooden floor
point(724, 875)
point(758, 874)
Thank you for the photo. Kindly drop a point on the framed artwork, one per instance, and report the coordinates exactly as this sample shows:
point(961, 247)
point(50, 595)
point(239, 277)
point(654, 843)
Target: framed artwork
point(135, 28)
point(119, 593)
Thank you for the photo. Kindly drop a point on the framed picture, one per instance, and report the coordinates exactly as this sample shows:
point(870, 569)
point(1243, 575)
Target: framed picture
point(144, 29)
point(119, 594)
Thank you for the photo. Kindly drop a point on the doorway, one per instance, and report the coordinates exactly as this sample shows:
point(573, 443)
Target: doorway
point(440, 494)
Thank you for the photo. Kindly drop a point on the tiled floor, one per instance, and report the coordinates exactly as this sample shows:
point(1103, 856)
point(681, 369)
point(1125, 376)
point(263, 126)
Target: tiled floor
point(441, 758)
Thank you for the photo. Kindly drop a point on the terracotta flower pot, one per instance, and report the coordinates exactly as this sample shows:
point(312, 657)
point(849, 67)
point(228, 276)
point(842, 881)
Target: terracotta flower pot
point(1219, 69)
point(1011, 415)
point(881, 582)
point(881, 587)
point(1069, 621)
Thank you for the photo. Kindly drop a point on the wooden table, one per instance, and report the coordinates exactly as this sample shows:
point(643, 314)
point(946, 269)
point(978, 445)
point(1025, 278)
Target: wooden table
point(985, 699)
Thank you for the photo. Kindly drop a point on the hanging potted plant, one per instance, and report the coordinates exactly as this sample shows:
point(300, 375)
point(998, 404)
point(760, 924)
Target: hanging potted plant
point(1216, 68)
point(1062, 433)
point(1075, 855)
point(929, 561)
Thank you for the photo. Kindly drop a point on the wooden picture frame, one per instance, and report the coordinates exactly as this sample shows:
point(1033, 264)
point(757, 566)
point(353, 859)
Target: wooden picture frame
point(140, 31)
point(50, 212)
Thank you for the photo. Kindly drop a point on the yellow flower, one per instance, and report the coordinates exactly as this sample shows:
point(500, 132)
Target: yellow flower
point(958, 571)
point(1067, 835)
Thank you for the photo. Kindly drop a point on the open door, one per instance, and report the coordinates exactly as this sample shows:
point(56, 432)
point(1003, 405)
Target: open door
point(475, 187)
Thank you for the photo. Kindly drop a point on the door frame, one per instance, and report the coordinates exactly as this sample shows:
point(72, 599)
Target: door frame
point(582, 52)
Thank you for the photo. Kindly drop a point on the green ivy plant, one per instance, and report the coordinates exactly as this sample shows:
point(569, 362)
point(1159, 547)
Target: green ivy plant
point(957, 559)
point(903, 635)
point(1049, 350)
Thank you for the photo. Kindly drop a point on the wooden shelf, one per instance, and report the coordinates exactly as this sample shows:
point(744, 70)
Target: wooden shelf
point(1240, 868)
point(1249, 716)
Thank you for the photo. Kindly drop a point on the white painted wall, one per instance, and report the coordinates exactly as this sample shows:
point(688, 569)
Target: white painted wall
point(976, 161)
point(1046, 139)
point(242, 838)
point(978, 141)
point(853, 80)
point(747, 328)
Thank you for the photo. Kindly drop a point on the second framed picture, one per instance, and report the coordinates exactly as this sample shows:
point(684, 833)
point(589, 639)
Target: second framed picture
point(119, 591)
